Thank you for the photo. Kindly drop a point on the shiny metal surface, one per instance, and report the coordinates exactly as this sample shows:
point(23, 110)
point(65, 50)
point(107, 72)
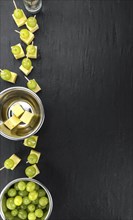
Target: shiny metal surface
point(30, 102)
point(27, 179)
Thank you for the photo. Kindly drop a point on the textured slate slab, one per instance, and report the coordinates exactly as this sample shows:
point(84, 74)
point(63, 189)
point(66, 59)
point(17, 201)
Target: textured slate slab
point(85, 70)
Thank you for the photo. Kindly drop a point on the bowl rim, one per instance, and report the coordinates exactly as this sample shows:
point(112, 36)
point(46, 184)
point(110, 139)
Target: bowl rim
point(28, 180)
point(41, 107)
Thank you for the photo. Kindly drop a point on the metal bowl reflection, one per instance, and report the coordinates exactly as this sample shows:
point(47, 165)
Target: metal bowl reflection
point(29, 102)
point(27, 180)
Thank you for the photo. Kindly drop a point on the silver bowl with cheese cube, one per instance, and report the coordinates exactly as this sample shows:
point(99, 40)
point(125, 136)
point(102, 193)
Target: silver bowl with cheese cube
point(21, 113)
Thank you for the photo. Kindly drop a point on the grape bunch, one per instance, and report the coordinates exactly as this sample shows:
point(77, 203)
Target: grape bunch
point(25, 200)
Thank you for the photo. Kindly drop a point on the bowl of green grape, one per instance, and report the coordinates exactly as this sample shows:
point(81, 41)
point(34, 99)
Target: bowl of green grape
point(21, 113)
point(25, 199)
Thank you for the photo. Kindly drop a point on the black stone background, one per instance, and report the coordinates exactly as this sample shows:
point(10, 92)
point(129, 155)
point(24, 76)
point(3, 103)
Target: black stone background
point(85, 70)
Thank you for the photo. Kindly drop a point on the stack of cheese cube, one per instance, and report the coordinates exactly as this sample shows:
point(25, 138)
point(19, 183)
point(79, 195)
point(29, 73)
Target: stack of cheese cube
point(19, 116)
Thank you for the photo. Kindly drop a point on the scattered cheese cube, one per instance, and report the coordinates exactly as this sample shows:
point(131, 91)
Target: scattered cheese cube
point(25, 71)
point(38, 154)
point(16, 160)
point(37, 88)
point(17, 110)
point(21, 54)
point(26, 117)
point(29, 39)
point(37, 170)
point(35, 138)
point(12, 122)
point(32, 29)
point(34, 55)
point(20, 22)
point(12, 78)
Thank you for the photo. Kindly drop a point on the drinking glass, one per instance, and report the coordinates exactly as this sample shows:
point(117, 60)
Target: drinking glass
point(33, 6)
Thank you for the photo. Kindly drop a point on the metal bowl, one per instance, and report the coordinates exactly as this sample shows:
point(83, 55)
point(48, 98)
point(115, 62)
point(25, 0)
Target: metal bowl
point(30, 102)
point(28, 180)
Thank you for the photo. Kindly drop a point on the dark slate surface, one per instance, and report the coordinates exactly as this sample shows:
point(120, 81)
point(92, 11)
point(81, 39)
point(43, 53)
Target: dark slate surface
point(85, 70)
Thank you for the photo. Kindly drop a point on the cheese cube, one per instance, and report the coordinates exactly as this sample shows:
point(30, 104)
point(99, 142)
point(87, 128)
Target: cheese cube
point(32, 29)
point(37, 89)
point(37, 170)
point(34, 120)
point(34, 55)
point(26, 117)
point(25, 71)
point(21, 54)
point(12, 122)
point(35, 139)
point(17, 110)
point(38, 154)
point(16, 160)
point(12, 78)
point(20, 22)
point(29, 39)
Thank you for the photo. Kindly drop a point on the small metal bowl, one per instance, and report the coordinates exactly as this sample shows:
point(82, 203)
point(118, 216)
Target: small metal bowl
point(30, 102)
point(28, 180)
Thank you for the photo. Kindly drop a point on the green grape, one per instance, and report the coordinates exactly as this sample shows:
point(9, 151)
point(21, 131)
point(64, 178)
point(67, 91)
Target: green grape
point(32, 158)
point(5, 74)
point(30, 186)
point(16, 50)
point(33, 195)
point(17, 218)
point(31, 141)
point(30, 49)
point(31, 207)
point(43, 201)
point(26, 200)
point(21, 185)
point(22, 214)
point(26, 63)
point(41, 193)
point(41, 207)
point(47, 207)
point(23, 206)
point(23, 193)
point(31, 216)
point(43, 217)
point(12, 192)
point(18, 200)
point(37, 187)
point(39, 213)
point(45, 214)
point(35, 202)
point(31, 21)
point(4, 207)
point(9, 163)
point(16, 186)
point(10, 203)
point(9, 216)
point(18, 13)
point(14, 212)
point(31, 84)
point(30, 171)
point(24, 33)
